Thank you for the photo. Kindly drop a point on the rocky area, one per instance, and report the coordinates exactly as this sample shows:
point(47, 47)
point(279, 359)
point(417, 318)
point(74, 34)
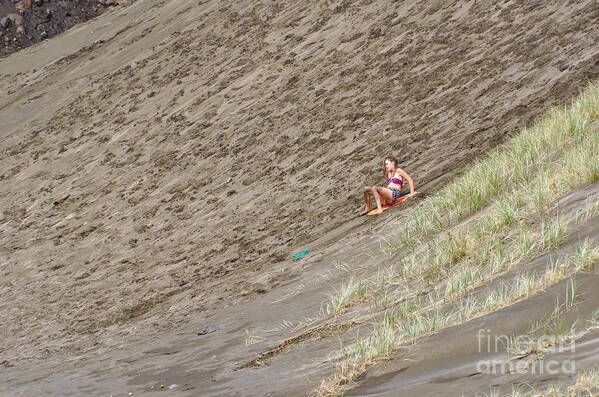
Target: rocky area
point(26, 22)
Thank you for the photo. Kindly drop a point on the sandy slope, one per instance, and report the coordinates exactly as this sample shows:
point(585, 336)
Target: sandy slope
point(453, 362)
point(151, 175)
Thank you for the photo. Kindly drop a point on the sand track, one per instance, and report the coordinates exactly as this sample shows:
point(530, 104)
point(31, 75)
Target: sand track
point(150, 175)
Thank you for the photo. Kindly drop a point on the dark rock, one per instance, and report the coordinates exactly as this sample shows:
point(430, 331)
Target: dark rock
point(48, 14)
point(5, 22)
point(43, 35)
point(23, 5)
point(17, 20)
point(208, 329)
point(39, 2)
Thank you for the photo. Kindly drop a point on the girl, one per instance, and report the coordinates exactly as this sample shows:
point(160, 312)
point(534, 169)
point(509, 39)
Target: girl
point(395, 179)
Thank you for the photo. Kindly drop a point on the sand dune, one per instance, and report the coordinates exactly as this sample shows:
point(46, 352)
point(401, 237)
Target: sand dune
point(165, 157)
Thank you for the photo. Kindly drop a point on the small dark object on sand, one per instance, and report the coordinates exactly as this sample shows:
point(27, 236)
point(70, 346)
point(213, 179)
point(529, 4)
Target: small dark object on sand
point(208, 329)
point(5, 22)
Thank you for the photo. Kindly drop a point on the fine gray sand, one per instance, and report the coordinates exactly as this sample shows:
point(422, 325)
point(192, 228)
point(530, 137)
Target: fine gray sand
point(160, 164)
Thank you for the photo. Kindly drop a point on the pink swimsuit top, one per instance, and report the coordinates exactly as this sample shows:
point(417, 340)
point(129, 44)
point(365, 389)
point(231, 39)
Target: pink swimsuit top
point(397, 181)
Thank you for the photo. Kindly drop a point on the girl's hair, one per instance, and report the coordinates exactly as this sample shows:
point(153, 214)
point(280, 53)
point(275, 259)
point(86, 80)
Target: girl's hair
point(393, 160)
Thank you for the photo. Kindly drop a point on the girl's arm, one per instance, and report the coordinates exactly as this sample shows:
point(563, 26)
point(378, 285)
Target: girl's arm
point(408, 178)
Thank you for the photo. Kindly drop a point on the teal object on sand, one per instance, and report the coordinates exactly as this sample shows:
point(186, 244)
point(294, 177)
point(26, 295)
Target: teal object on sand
point(304, 252)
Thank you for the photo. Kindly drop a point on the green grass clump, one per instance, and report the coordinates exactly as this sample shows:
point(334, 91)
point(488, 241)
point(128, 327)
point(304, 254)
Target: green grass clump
point(553, 233)
point(344, 296)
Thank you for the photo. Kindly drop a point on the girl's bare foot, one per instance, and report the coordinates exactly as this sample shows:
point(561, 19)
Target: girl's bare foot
point(379, 211)
point(364, 212)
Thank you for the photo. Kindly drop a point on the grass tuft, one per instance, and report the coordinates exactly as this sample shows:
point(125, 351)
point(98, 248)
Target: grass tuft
point(345, 295)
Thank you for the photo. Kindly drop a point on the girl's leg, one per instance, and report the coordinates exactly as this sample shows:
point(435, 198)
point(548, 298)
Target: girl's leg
point(383, 192)
point(367, 192)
